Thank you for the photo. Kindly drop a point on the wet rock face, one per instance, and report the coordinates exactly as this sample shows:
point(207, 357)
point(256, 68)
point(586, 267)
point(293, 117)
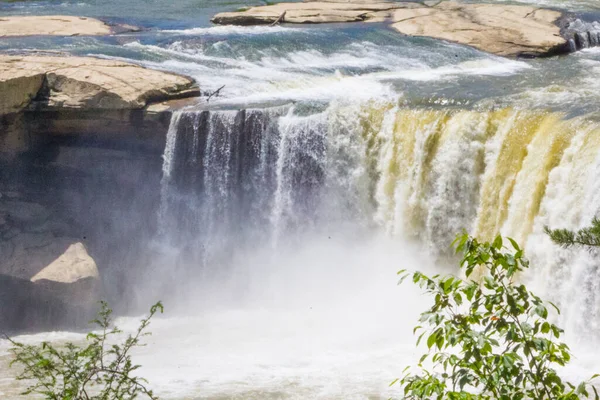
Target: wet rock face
point(29, 307)
point(506, 30)
point(47, 278)
point(63, 294)
point(74, 218)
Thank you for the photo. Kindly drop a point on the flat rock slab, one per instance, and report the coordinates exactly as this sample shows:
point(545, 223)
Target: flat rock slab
point(313, 12)
point(506, 30)
point(53, 82)
point(53, 25)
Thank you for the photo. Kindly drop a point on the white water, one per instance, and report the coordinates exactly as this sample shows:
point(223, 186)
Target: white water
point(317, 321)
point(364, 69)
point(291, 293)
point(310, 309)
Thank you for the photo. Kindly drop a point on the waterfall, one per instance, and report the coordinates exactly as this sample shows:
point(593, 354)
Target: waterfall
point(259, 176)
point(584, 34)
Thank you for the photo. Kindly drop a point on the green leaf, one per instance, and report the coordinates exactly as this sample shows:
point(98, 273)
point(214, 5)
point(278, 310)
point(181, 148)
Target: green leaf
point(514, 244)
point(431, 340)
point(497, 242)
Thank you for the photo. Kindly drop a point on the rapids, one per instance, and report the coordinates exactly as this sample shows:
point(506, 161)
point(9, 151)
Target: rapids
point(335, 156)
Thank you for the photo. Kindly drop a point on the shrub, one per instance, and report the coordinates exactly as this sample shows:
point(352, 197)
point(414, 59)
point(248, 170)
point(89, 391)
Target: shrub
point(488, 338)
point(98, 371)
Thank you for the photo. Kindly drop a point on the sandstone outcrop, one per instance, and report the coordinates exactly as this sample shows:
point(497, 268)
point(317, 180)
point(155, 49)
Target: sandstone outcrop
point(56, 25)
point(53, 82)
point(49, 96)
point(313, 12)
point(506, 30)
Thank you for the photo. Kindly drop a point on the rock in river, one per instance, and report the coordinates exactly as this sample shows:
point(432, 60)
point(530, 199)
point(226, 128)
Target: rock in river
point(502, 29)
point(56, 25)
point(54, 82)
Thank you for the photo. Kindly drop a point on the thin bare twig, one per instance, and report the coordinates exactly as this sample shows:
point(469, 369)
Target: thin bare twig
point(215, 93)
point(280, 19)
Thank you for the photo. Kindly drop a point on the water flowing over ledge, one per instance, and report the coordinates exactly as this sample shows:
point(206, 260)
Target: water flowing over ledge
point(308, 210)
point(420, 173)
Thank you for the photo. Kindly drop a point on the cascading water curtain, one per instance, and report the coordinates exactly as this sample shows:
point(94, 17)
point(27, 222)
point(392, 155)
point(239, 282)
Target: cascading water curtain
point(242, 178)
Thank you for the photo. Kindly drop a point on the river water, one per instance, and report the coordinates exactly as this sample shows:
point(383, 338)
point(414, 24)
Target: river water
point(358, 152)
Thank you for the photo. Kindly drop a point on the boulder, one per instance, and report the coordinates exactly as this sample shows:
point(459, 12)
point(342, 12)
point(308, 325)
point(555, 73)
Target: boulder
point(24, 254)
point(55, 82)
point(37, 243)
point(505, 30)
point(502, 29)
point(313, 12)
point(73, 265)
point(55, 25)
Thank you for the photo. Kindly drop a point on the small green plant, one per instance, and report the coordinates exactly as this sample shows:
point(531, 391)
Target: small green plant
point(99, 371)
point(488, 338)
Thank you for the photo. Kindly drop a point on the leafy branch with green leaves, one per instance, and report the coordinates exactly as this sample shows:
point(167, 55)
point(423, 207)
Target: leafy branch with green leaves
point(101, 370)
point(489, 338)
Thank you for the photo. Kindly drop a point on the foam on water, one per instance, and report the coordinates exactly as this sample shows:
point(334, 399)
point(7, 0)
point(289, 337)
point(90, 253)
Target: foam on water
point(365, 70)
point(484, 67)
point(228, 30)
point(320, 321)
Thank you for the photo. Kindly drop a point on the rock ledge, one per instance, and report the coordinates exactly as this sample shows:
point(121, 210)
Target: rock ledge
point(53, 82)
point(505, 30)
point(55, 25)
